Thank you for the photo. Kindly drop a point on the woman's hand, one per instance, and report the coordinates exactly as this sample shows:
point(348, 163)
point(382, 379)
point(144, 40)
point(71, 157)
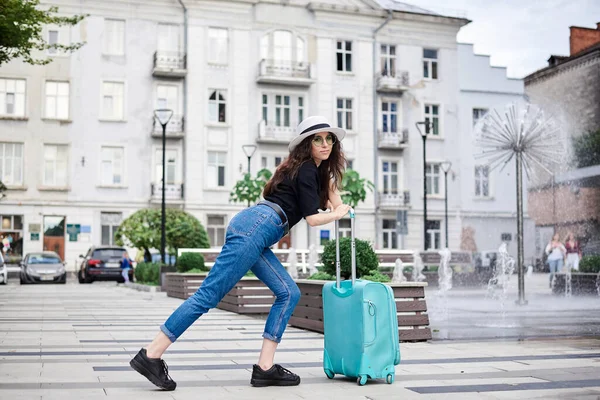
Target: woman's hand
point(341, 211)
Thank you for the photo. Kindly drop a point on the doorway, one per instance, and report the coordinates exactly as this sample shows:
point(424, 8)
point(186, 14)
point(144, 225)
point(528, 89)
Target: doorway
point(54, 235)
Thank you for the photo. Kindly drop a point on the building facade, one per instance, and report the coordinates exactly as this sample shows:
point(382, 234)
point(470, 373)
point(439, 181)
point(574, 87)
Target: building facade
point(81, 149)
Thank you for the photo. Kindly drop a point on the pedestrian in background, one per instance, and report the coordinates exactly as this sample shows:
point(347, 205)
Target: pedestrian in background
point(126, 266)
point(573, 252)
point(556, 254)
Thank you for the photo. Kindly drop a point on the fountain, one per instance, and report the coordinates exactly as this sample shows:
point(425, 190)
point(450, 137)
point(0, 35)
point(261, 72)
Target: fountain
point(417, 274)
point(292, 259)
point(313, 258)
point(503, 270)
point(398, 276)
point(445, 271)
point(568, 285)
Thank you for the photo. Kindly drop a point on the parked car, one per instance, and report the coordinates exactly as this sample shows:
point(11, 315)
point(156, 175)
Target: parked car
point(42, 267)
point(102, 263)
point(3, 271)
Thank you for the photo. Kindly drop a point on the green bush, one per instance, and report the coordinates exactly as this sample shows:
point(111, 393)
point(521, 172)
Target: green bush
point(376, 276)
point(196, 271)
point(322, 276)
point(366, 259)
point(188, 261)
point(590, 264)
point(147, 273)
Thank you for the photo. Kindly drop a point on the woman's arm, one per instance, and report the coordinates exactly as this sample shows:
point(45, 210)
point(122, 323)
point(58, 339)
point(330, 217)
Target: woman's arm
point(325, 218)
point(334, 197)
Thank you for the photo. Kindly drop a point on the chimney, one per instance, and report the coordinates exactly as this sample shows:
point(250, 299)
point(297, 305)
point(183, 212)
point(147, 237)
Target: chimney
point(583, 38)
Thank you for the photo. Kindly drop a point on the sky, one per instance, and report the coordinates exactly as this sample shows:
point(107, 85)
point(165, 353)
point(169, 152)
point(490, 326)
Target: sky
point(518, 34)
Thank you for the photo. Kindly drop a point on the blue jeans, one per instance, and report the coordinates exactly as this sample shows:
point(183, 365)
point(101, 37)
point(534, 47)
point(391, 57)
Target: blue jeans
point(555, 266)
point(249, 236)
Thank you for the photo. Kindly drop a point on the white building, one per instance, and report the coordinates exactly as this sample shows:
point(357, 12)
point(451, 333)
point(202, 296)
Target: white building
point(79, 143)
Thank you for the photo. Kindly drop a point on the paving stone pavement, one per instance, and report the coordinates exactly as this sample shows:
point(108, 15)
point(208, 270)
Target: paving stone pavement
point(75, 341)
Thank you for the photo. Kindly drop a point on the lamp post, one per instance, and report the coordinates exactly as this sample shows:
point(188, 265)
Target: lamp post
point(446, 165)
point(249, 150)
point(163, 115)
point(424, 137)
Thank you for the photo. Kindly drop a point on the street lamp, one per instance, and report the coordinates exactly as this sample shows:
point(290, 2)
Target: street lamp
point(424, 136)
point(249, 150)
point(163, 115)
point(446, 165)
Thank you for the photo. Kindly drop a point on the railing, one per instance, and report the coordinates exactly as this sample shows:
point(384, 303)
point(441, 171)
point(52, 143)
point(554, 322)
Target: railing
point(271, 131)
point(284, 69)
point(396, 80)
point(172, 191)
point(176, 125)
point(170, 60)
point(393, 139)
point(398, 199)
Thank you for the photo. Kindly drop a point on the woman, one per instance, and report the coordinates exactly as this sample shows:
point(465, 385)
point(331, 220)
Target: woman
point(573, 252)
point(308, 180)
point(556, 254)
point(126, 266)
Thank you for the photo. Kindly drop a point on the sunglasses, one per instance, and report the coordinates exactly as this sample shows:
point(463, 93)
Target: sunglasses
point(318, 140)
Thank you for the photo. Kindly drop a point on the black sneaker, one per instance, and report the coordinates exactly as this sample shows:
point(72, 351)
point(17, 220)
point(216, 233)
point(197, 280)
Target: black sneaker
point(155, 369)
point(274, 376)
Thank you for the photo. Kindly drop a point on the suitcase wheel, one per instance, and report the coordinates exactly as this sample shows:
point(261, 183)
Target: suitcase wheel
point(361, 380)
point(329, 374)
point(389, 378)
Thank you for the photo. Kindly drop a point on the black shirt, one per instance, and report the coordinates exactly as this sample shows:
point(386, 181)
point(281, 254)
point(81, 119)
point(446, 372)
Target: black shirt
point(299, 197)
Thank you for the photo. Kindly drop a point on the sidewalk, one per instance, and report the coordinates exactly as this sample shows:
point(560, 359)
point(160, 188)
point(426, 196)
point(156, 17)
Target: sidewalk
point(75, 341)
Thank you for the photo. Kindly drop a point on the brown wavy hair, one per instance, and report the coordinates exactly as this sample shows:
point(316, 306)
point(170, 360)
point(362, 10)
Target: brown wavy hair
point(331, 169)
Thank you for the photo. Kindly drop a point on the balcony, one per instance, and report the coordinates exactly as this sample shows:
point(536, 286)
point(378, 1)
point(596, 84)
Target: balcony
point(289, 73)
point(392, 83)
point(393, 140)
point(394, 200)
point(173, 192)
point(269, 132)
point(175, 128)
point(169, 64)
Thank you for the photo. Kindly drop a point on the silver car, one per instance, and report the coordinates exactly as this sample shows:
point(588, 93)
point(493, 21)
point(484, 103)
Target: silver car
point(43, 267)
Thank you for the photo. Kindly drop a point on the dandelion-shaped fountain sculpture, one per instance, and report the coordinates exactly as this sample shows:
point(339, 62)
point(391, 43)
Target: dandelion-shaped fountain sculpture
point(524, 132)
point(293, 264)
point(398, 275)
point(313, 258)
point(417, 272)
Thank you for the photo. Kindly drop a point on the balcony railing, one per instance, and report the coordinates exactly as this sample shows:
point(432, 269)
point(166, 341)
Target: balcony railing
point(392, 82)
point(175, 127)
point(394, 199)
point(270, 132)
point(393, 140)
point(285, 72)
point(172, 191)
point(171, 64)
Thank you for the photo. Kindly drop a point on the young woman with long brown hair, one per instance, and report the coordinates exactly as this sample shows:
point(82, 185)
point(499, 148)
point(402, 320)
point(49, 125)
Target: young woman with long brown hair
point(308, 180)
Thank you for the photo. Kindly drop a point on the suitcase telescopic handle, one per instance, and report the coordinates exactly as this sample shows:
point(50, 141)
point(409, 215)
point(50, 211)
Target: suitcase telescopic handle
point(337, 249)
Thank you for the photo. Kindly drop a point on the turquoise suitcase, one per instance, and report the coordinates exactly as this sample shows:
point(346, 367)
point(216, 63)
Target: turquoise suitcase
point(360, 325)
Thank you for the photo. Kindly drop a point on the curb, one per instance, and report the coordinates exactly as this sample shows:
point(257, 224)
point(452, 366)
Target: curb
point(141, 288)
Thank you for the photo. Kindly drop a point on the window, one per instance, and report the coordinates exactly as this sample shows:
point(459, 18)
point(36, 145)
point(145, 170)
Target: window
point(344, 55)
point(167, 96)
point(389, 116)
point(345, 228)
point(271, 162)
point(112, 165)
point(388, 60)
point(344, 113)
point(52, 40)
point(168, 38)
point(279, 109)
point(390, 177)
point(300, 109)
point(282, 110)
point(110, 222)
point(432, 175)
point(11, 163)
point(216, 106)
point(215, 227)
point(218, 47)
point(170, 166)
point(265, 107)
point(478, 113)
point(12, 97)
point(55, 165)
point(390, 240)
point(432, 115)
point(112, 100)
point(216, 169)
point(11, 222)
point(281, 46)
point(57, 100)
point(114, 37)
point(349, 163)
point(482, 181)
point(430, 64)
point(434, 235)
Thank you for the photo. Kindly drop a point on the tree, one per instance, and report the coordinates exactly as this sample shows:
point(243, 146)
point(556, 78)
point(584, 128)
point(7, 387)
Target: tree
point(248, 189)
point(21, 30)
point(353, 188)
point(142, 230)
point(586, 149)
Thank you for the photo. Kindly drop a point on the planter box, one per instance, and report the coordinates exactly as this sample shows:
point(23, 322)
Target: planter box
point(413, 321)
point(582, 283)
point(248, 296)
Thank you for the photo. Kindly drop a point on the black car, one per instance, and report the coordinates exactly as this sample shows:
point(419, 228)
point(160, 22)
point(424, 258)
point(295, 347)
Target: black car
point(103, 263)
point(42, 267)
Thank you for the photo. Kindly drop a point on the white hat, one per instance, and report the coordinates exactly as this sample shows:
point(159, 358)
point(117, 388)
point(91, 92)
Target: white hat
point(312, 125)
